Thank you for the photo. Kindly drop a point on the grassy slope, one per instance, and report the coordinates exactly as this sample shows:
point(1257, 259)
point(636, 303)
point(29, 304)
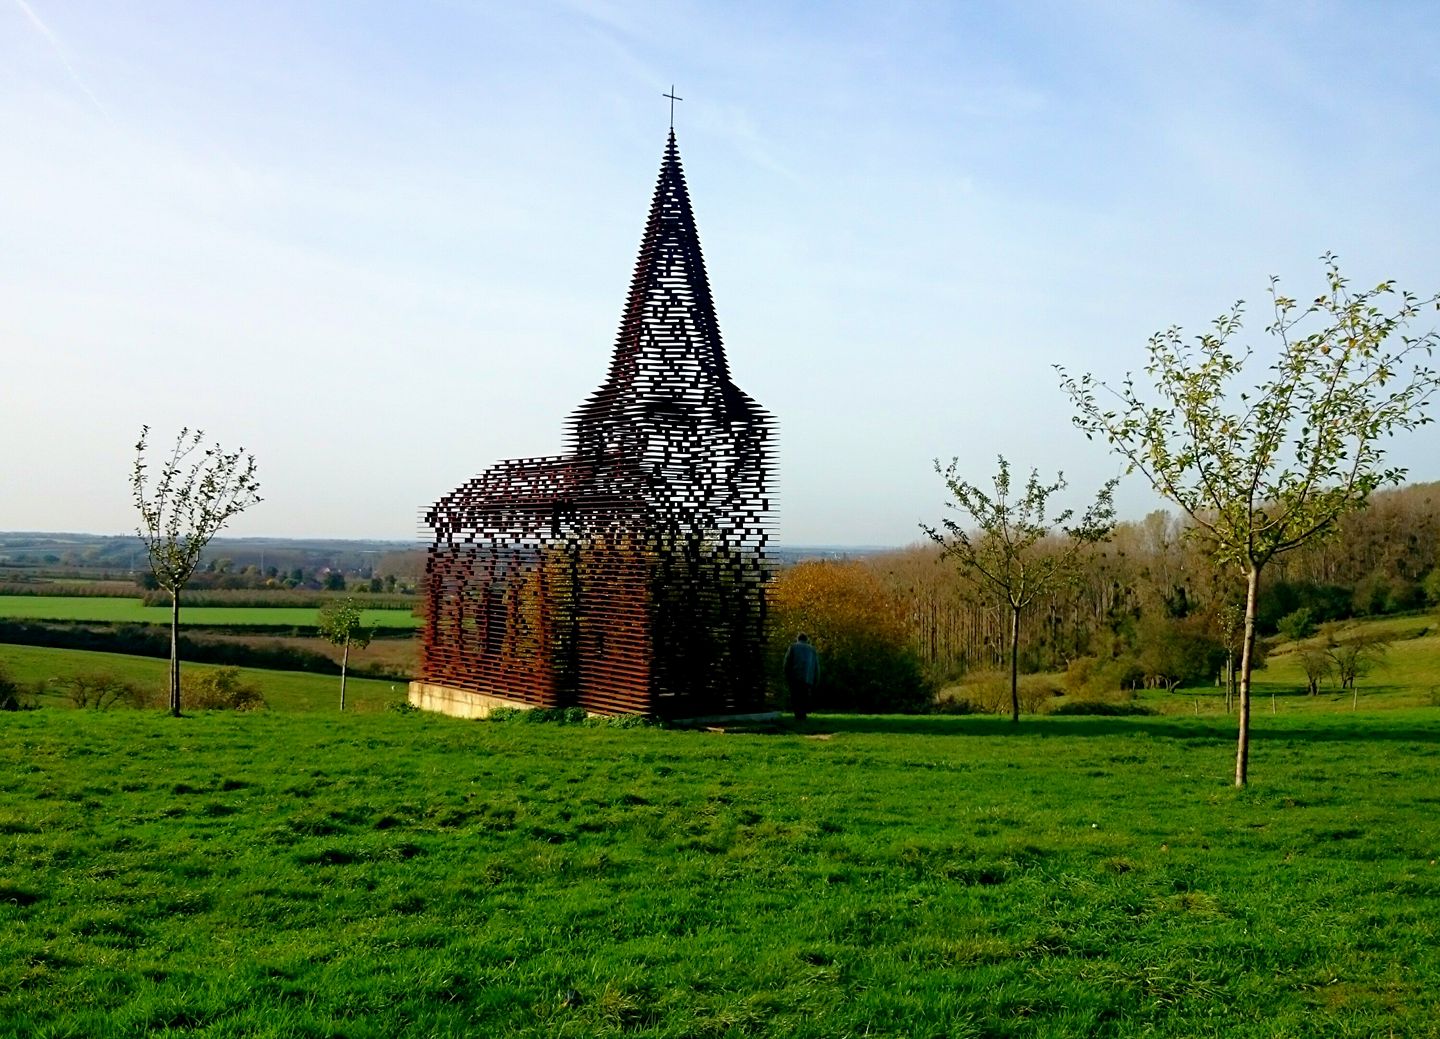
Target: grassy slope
point(131, 611)
point(1409, 676)
point(284, 690)
point(273, 875)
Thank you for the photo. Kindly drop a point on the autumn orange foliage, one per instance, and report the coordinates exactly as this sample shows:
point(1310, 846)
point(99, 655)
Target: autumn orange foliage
point(858, 626)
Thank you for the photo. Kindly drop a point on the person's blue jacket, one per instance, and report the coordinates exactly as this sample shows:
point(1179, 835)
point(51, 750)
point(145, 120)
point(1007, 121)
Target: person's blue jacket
point(802, 663)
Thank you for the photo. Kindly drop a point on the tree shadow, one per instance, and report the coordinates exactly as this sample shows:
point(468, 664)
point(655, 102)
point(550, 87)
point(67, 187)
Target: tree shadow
point(1321, 729)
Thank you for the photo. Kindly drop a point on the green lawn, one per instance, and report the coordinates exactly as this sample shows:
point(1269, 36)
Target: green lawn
point(384, 875)
point(133, 611)
point(283, 690)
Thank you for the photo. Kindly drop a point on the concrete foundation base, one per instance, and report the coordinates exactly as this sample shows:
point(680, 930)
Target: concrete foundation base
point(463, 703)
point(458, 703)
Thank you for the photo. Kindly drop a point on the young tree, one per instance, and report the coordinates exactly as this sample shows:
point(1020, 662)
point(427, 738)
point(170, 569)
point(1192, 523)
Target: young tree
point(193, 497)
point(1354, 657)
point(339, 622)
point(1010, 551)
point(1229, 624)
point(1316, 664)
point(1263, 471)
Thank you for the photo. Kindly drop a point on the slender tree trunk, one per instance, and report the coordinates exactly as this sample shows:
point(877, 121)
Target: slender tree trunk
point(1247, 654)
point(344, 664)
point(1229, 680)
point(175, 652)
point(1015, 664)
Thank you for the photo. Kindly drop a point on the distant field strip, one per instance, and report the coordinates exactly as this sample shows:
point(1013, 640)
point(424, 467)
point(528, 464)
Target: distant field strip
point(283, 690)
point(132, 611)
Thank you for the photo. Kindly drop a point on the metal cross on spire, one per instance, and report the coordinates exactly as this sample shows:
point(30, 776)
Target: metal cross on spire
point(673, 99)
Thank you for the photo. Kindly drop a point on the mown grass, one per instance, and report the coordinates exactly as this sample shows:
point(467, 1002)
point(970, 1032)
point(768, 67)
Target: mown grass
point(384, 875)
point(133, 611)
point(283, 690)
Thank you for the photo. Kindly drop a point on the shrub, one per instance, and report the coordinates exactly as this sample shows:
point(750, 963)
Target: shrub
point(948, 703)
point(219, 689)
point(1079, 675)
point(101, 690)
point(1173, 652)
point(1089, 678)
point(988, 692)
point(9, 691)
point(622, 721)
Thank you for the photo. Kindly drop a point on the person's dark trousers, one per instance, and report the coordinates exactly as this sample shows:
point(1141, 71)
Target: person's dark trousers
point(799, 698)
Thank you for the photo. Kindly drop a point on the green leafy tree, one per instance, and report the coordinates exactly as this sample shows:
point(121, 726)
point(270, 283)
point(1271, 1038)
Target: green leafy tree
point(1262, 471)
point(1431, 586)
point(1297, 625)
point(1173, 652)
point(1229, 621)
point(339, 623)
point(196, 492)
point(1009, 547)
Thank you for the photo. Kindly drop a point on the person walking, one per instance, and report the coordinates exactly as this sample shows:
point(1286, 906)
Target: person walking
point(802, 669)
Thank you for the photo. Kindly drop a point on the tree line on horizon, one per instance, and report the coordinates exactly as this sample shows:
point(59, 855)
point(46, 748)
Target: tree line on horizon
point(1146, 607)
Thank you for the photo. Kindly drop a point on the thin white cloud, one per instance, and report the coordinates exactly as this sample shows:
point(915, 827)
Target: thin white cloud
point(59, 49)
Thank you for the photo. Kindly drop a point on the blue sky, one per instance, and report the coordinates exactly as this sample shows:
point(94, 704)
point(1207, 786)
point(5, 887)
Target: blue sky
point(385, 245)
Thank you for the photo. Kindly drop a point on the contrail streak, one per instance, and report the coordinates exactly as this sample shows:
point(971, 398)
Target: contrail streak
point(59, 50)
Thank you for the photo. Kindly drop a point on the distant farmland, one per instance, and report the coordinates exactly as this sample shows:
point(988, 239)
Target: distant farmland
point(104, 610)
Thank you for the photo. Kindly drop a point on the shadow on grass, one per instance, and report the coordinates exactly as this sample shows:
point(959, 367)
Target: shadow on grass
point(1219, 730)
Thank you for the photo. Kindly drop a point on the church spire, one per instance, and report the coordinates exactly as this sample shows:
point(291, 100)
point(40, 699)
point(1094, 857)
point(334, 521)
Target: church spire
point(668, 350)
point(670, 287)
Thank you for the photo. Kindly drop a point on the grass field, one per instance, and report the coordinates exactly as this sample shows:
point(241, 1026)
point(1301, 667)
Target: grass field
point(388, 875)
point(398, 655)
point(133, 611)
point(283, 690)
